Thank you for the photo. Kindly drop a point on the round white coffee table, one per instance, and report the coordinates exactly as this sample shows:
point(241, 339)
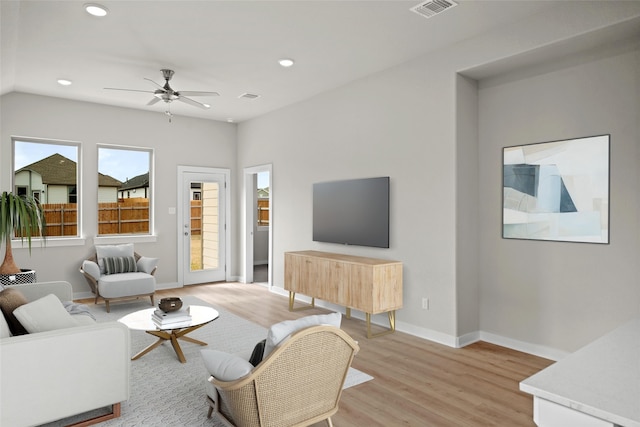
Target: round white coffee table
point(141, 321)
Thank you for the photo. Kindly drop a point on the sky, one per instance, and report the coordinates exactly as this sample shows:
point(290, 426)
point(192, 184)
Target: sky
point(117, 163)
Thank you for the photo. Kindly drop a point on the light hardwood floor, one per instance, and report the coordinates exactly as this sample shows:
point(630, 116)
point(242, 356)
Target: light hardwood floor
point(416, 382)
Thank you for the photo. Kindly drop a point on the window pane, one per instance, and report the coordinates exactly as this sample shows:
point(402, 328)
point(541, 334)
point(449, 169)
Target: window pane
point(48, 172)
point(124, 191)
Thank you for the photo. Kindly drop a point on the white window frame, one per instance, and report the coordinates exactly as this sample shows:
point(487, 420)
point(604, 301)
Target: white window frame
point(133, 238)
point(52, 241)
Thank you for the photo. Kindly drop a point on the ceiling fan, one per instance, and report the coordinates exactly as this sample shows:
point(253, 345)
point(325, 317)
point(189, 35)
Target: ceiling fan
point(167, 94)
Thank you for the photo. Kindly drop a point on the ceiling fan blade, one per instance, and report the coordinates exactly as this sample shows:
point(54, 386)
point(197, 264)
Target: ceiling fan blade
point(153, 101)
point(129, 90)
point(198, 93)
point(194, 103)
point(161, 87)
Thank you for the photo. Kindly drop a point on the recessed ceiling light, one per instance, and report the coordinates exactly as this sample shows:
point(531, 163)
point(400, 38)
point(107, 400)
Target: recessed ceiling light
point(96, 9)
point(64, 82)
point(286, 62)
point(230, 120)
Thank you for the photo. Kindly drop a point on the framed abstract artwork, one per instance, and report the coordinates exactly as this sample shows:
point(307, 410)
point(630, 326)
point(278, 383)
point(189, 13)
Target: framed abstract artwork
point(557, 191)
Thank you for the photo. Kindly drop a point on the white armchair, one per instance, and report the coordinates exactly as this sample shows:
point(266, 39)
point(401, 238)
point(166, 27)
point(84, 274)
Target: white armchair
point(116, 272)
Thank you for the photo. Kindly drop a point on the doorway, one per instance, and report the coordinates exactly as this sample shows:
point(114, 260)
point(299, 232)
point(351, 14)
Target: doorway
point(202, 224)
point(258, 210)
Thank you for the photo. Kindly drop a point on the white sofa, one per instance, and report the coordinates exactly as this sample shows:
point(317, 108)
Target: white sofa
point(48, 376)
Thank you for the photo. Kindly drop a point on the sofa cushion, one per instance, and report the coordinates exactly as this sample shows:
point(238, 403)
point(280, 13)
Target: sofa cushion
point(10, 299)
point(107, 251)
point(278, 332)
point(126, 284)
point(225, 366)
point(44, 314)
point(120, 264)
point(147, 264)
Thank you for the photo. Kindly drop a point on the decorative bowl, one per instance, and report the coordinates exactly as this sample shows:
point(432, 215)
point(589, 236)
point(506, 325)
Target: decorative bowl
point(170, 304)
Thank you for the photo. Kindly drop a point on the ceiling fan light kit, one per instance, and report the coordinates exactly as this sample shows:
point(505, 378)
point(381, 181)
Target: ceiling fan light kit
point(167, 94)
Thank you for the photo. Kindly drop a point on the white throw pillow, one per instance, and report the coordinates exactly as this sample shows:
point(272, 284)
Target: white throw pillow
point(147, 264)
point(278, 332)
point(225, 366)
point(44, 314)
point(108, 251)
point(91, 268)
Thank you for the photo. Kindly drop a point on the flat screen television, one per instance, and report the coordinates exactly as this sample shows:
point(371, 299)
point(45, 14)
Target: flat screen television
point(352, 212)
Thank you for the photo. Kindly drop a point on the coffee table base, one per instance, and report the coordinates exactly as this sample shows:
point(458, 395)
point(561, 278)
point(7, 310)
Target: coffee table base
point(172, 335)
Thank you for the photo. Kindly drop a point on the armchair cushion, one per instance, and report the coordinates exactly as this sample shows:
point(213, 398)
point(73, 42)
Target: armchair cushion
point(44, 314)
point(91, 268)
point(225, 366)
point(278, 332)
point(147, 264)
point(120, 264)
point(108, 251)
point(10, 299)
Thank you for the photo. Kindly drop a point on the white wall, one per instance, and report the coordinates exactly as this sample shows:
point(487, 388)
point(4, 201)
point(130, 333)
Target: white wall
point(405, 123)
point(554, 294)
point(185, 141)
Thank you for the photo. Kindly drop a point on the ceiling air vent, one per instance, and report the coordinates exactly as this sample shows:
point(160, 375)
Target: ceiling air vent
point(433, 7)
point(248, 96)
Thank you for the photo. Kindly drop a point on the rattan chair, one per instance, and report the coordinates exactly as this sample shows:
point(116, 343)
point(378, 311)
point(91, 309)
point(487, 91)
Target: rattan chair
point(298, 384)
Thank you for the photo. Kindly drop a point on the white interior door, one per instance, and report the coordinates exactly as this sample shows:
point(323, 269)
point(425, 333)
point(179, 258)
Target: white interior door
point(202, 226)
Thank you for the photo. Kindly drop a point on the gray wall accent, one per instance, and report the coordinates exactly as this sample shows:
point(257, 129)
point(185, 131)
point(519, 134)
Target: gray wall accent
point(556, 294)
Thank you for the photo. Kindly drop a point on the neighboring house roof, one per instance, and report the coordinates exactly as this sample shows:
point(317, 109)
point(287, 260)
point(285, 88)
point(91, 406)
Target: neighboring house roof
point(263, 192)
point(59, 170)
point(55, 169)
point(139, 181)
point(108, 181)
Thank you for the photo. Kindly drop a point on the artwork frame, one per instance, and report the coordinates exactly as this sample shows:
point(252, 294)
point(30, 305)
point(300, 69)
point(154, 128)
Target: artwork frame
point(557, 190)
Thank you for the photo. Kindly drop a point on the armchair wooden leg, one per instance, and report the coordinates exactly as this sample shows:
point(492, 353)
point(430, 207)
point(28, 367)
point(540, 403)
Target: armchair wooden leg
point(152, 302)
point(329, 422)
point(106, 302)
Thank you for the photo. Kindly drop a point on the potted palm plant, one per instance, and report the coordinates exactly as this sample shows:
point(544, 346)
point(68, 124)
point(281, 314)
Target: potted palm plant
point(20, 216)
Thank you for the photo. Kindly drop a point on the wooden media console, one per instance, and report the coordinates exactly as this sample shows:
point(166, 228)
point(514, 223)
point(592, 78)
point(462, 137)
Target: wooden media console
point(367, 284)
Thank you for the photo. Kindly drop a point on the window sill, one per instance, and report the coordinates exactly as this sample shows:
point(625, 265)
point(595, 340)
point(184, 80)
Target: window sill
point(48, 242)
point(124, 238)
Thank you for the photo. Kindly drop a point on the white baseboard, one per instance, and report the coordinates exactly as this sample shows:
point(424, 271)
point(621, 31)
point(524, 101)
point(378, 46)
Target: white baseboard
point(525, 347)
point(439, 337)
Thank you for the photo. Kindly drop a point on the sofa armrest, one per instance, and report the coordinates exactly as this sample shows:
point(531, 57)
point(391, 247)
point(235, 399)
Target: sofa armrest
point(34, 291)
point(52, 375)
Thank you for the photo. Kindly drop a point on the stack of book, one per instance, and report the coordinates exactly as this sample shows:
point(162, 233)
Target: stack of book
point(174, 319)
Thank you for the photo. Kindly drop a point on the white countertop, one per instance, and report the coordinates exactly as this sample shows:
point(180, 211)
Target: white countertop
point(601, 379)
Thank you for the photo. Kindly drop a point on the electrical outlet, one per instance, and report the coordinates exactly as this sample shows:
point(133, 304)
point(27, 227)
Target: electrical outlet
point(425, 303)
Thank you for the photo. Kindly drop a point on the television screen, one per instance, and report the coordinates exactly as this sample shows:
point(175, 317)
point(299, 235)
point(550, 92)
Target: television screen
point(352, 212)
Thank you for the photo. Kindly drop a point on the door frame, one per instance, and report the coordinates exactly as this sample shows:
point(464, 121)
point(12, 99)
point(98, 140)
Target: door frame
point(180, 217)
point(249, 195)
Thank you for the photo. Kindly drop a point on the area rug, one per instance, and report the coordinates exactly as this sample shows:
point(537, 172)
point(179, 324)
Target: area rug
point(165, 392)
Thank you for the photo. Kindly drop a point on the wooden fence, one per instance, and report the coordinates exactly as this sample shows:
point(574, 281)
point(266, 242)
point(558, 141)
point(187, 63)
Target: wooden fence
point(263, 212)
point(127, 216)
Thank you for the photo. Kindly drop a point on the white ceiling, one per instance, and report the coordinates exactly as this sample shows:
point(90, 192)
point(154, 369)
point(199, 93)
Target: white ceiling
point(231, 47)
